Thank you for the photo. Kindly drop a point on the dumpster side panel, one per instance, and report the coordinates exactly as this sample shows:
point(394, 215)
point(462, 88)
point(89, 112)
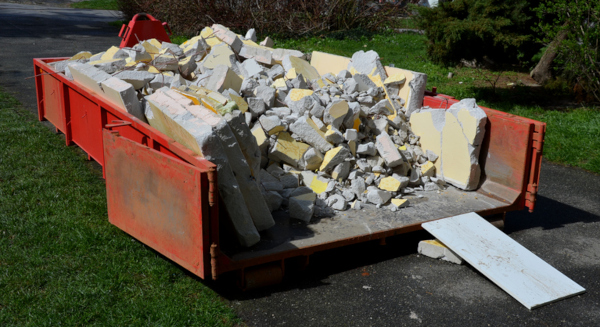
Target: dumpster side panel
point(157, 200)
point(53, 105)
point(86, 124)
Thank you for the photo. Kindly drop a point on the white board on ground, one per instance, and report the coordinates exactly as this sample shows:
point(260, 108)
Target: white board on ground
point(522, 274)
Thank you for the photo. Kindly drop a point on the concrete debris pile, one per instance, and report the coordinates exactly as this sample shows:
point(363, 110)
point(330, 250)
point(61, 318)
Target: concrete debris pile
point(312, 138)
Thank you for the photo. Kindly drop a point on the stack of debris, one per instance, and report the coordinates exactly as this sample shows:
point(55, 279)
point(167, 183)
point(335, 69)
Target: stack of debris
point(340, 133)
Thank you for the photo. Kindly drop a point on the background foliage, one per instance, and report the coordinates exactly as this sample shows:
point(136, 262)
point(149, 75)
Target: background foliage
point(496, 30)
point(578, 59)
point(287, 17)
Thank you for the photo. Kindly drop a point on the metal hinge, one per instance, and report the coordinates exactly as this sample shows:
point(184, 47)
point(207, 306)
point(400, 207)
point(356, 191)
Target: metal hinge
point(117, 123)
point(211, 186)
point(537, 146)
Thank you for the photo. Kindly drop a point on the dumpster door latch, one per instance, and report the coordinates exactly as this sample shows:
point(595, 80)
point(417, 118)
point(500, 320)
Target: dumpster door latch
point(117, 123)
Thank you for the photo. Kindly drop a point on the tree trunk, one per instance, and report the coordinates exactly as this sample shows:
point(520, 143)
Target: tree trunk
point(543, 70)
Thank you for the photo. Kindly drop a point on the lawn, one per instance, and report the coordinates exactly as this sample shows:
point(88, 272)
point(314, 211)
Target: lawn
point(96, 4)
point(573, 131)
point(62, 262)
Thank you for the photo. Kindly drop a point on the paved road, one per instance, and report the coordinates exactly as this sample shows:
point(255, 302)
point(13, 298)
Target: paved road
point(365, 285)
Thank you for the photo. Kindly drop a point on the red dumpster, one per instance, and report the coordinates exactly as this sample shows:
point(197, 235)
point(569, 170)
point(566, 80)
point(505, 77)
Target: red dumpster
point(165, 196)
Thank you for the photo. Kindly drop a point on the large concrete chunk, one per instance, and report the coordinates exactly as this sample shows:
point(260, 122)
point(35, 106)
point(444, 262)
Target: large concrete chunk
point(299, 101)
point(336, 113)
point(301, 66)
point(227, 36)
point(456, 135)
point(219, 55)
point(196, 47)
point(176, 122)
point(367, 63)
point(288, 150)
point(428, 125)
point(302, 206)
point(124, 96)
point(259, 53)
point(253, 198)
point(437, 250)
point(224, 78)
point(137, 78)
point(388, 150)
point(88, 76)
point(246, 140)
point(461, 143)
point(334, 157)
point(308, 131)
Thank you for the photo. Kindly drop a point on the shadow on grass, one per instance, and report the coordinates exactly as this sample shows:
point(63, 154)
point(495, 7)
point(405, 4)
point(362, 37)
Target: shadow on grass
point(505, 99)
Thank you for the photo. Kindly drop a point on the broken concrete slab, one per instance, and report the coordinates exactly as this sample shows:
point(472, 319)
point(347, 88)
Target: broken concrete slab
point(367, 63)
point(288, 150)
point(437, 250)
point(388, 151)
point(224, 78)
point(308, 131)
point(138, 79)
point(200, 138)
point(124, 96)
point(88, 76)
point(333, 158)
point(227, 36)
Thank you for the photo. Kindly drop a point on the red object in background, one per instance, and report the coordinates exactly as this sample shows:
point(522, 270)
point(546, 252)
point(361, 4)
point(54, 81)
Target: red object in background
point(143, 27)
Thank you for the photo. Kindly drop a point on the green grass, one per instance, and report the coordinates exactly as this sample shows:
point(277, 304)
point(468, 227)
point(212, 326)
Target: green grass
point(61, 262)
point(96, 4)
point(573, 134)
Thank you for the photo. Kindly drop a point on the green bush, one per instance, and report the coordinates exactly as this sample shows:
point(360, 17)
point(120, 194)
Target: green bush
point(496, 30)
point(578, 55)
point(291, 17)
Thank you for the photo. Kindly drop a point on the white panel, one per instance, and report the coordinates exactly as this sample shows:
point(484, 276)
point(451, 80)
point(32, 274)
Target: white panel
point(522, 274)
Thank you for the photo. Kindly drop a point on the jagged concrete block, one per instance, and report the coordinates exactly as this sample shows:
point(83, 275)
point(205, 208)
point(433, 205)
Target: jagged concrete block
point(250, 68)
point(138, 79)
point(367, 63)
point(224, 78)
point(260, 54)
point(161, 80)
point(333, 158)
point(306, 129)
point(227, 36)
point(247, 141)
point(124, 96)
point(267, 94)
point(288, 150)
point(388, 150)
point(335, 113)
point(456, 135)
point(337, 202)
point(219, 55)
point(267, 42)
point(88, 76)
point(437, 250)
point(172, 48)
point(271, 124)
point(175, 121)
point(380, 197)
point(312, 159)
point(302, 207)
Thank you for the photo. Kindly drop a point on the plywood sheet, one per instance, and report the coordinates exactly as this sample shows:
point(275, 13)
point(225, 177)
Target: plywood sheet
point(522, 274)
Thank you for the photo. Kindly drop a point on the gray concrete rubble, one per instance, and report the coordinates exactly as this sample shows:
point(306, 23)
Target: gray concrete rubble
point(284, 136)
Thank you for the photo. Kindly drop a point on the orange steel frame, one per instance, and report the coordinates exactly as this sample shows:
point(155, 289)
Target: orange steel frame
point(89, 121)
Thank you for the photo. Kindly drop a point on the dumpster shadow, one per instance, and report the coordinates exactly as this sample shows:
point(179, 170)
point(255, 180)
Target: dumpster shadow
point(548, 214)
point(327, 263)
